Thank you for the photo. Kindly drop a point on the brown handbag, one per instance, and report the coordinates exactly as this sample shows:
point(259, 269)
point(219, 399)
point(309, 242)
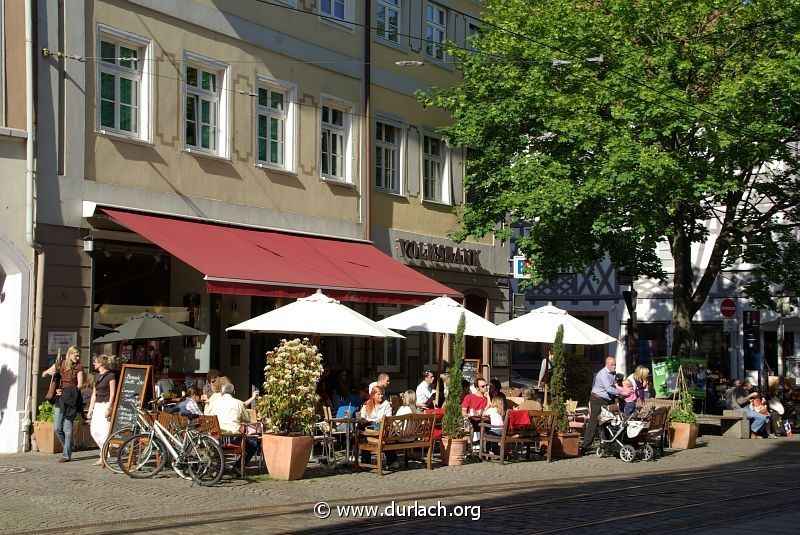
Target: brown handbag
point(55, 380)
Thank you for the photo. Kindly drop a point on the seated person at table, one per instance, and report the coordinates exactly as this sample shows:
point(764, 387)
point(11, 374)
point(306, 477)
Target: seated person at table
point(164, 384)
point(373, 411)
point(440, 390)
point(496, 389)
point(408, 403)
point(474, 404)
point(495, 413)
point(190, 404)
point(208, 387)
point(216, 389)
point(356, 399)
point(425, 391)
point(231, 414)
point(382, 381)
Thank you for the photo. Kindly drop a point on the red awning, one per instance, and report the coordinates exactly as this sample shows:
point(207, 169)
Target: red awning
point(268, 263)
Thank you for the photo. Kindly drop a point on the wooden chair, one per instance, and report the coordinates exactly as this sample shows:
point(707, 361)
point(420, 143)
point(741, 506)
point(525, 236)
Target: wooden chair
point(337, 431)
point(538, 430)
point(530, 405)
point(657, 427)
point(210, 425)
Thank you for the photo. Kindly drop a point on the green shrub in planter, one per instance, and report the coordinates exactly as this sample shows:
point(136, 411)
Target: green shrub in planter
point(45, 412)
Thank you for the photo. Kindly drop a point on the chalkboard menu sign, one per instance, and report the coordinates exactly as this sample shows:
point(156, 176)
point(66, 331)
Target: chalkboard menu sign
point(470, 369)
point(133, 384)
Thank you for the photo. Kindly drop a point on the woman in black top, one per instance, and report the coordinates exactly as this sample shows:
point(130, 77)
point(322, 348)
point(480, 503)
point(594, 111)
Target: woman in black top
point(105, 387)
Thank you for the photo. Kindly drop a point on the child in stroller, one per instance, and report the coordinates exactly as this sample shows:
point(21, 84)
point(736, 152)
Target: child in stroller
point(624, 435)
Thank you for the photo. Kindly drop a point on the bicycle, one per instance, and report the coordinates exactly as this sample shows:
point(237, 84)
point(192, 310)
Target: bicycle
point(144, 454)
point(109, 453)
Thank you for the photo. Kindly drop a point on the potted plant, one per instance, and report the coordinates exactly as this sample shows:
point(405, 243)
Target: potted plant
point(454, 440)
point(288, 407)
point(565, 442)
point(43, 430)
point(683, 426)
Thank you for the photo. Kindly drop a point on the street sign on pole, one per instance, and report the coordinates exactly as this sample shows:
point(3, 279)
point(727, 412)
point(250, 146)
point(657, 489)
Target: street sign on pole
point(728, 308)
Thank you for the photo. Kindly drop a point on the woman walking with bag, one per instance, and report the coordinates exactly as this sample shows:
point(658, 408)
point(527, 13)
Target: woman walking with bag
point(68, 403)
point(105, 387)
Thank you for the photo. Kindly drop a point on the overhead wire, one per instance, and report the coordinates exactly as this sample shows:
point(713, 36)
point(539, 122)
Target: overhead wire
point(468, 49)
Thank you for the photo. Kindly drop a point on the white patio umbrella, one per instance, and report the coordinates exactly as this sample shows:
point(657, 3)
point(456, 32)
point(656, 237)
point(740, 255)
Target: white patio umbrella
point(541, 324)
point(316, 314)
point(148, 325)
point(440, 315)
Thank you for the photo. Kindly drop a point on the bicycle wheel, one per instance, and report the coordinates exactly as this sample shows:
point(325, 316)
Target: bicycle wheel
point(110, 451)
point(205, 461)
point(178, 465)
point(142, 456)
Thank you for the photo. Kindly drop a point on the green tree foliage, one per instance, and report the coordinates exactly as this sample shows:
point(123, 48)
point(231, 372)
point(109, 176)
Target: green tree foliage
point(678, 127)
point(558, 383)
point(453, 421)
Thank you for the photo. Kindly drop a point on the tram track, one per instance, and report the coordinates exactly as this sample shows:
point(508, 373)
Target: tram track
point(461, 494)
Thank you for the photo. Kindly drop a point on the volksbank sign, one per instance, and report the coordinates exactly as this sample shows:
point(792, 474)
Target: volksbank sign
point(417, 250)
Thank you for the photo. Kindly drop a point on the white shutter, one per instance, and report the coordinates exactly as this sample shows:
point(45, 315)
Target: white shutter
point(457, 172)
point(413, 162)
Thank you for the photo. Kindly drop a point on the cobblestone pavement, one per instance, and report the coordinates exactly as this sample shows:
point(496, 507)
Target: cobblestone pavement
point(707, 488)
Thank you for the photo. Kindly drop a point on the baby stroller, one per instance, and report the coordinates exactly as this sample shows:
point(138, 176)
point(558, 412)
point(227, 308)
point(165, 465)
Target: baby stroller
point(624, 435)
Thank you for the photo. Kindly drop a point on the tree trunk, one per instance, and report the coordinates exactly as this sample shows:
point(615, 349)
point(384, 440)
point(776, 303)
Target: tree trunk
point(682, 308)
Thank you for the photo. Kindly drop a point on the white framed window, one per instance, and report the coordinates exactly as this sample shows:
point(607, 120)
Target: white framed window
point(123, 83)
point(434, 168)
point(387, 18)
point(388, 145)
point(336, 143)
point(205, 106)
point(337, 10)
point(435, 30)
point(275, 124)
point(388, 353)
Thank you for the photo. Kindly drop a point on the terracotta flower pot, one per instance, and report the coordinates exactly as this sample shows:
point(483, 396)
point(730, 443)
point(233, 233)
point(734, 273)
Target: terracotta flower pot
point(682, 436)
point(45, 435)
point(286, 457)
point(566, 444)
point(453, 451)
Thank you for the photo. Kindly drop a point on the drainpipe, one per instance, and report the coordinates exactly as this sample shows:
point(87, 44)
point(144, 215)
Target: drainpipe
point(38, 263)
point(367, 157)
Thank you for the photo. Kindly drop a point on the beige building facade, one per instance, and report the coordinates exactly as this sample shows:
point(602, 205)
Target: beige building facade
point(296, 117)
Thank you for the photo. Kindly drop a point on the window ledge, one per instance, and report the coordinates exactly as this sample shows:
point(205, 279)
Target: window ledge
point(401, 46)
point(13, 132)
point(275, 169)
point(436, 203)
point(389, 192)
point(122, 137)
point(337, 182)
point(336, 23)
point(441, 63)
point(208, 155)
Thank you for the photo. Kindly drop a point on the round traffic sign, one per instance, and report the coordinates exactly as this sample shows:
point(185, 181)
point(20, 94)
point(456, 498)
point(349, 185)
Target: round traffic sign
point(728, 308)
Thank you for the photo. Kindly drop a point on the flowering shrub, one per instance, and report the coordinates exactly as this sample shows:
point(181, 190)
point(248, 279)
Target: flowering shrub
point(290, 388)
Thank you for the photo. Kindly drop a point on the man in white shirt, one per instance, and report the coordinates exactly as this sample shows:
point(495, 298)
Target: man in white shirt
point(425, 390)
point(231, 413)
point(383, 382)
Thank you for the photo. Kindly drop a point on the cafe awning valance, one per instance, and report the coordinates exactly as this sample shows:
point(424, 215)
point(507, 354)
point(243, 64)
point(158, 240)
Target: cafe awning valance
point(249, 261)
